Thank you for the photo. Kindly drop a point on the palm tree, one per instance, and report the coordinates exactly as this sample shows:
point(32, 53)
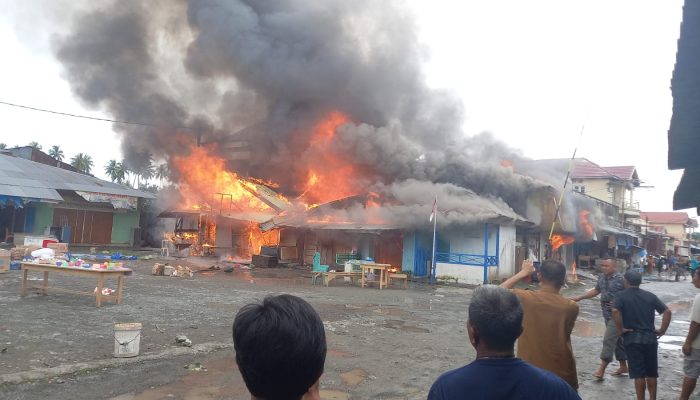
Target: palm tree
point(35, 145)
point(111, 169)
point(116, 171)
point(120, 172)
point(56, 153)
point(3, 146)
point(82, 162)
point(162, 173)
point(142, 168)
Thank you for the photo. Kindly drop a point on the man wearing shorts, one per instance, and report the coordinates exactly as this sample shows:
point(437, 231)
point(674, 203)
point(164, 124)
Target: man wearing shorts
point(691, 348)
point(610, 283)
point(633, 313)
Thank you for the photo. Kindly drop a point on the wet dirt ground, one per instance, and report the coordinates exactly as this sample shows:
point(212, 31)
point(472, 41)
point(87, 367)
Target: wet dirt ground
point(388, 344)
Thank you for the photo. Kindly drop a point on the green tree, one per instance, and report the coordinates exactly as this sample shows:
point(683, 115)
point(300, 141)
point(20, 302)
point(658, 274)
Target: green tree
point(56, 153)
point(142, 168)
point(116, 171)
point(3, 146)
point(82, 162)
point(111, 170)
point(162, 173)
point(35, 145)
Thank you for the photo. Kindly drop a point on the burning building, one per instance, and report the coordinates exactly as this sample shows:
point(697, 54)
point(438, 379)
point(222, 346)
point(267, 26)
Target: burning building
point(281, 120)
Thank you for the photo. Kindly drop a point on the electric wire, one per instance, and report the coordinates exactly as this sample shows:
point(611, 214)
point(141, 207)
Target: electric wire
point(115, 121)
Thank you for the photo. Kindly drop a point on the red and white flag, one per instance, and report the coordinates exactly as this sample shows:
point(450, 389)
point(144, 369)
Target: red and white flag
point(432, 214)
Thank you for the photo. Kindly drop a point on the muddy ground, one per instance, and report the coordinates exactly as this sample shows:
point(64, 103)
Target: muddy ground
point(388, 344)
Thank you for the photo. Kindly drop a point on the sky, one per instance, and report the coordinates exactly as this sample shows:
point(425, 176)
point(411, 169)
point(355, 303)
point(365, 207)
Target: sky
point(535, 74)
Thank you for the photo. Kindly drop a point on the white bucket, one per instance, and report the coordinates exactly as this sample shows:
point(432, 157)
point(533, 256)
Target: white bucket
point(127, 338)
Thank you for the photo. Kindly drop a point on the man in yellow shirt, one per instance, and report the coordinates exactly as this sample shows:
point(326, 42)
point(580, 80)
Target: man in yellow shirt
point(548, 321)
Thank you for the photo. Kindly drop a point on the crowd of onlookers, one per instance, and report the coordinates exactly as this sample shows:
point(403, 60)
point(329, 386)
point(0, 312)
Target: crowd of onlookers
point(280, 343)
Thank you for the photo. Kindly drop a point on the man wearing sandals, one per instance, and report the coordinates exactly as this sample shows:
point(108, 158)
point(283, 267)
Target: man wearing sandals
point(691, 347)
point(633, 313)
point(609, 284)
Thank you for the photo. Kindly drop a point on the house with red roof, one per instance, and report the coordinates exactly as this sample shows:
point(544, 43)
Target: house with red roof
point(673, 227)
point(614, 185)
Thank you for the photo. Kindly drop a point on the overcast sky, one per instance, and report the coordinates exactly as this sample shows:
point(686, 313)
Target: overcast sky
point(531, 72)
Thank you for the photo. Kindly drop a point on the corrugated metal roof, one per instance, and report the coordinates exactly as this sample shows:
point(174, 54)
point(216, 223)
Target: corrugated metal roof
point(30, 192)
point(33, 177)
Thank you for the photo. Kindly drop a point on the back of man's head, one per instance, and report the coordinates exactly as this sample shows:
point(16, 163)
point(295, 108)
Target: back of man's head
point(280, 347)
point(496, 315)
point(553, 272)
point(633, 278)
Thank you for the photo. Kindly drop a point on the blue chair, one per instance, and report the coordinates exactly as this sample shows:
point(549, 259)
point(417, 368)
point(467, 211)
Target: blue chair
point(318, 269)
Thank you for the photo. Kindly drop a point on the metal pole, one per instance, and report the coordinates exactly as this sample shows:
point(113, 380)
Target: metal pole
point(498, 243)
point(434, 271)
point(415, 253)
point(486, 252)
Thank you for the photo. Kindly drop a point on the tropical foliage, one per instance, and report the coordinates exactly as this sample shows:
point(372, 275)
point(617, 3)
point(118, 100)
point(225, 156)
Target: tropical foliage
point(82, 162)
point(56, 153)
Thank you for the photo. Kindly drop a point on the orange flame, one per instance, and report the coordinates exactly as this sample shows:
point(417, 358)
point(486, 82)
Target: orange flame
point(206, 180)
point(584, 223)
point(573, 271)
point(257, 238)
point(329, 176)
point(560, 240)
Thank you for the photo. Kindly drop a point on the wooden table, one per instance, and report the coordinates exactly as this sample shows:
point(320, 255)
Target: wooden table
point(382, 268)
point(100, 274)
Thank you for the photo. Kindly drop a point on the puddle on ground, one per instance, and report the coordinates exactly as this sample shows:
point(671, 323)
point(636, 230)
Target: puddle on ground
point(667, 346)
point(339, 354)
point(679, 305)
point(585, 328)
point(399, 324)
point(333, 395)
point(221, 380)
point(669, 338)
point(388, 311)
point(680, 322)
point(354, 377)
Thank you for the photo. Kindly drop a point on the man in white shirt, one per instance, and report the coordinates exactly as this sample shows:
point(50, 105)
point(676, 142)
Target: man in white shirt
point(691, 348)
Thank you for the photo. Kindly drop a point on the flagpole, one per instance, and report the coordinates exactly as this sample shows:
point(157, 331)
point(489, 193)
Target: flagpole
point(434, 266)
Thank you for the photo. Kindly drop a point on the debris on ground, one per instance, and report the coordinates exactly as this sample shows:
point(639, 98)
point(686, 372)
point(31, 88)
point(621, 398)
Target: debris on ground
point(158, 269)
point(196, 367)
point(228, 269)
point(183, 340)
point(105, 291)
point(183, 272)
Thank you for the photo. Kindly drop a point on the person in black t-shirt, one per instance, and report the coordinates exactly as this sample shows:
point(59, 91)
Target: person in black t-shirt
point(495, 322)
point(633, 312)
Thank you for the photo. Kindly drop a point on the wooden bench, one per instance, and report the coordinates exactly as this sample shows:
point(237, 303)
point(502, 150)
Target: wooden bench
point(329, 276)
point(398, 277)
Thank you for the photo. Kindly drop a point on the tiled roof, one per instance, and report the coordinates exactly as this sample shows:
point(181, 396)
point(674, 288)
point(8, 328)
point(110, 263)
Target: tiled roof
point(584, 168)
point(665, 217)
point(623, 172)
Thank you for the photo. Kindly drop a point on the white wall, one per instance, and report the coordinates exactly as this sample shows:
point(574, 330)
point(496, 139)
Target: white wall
point(472, 242)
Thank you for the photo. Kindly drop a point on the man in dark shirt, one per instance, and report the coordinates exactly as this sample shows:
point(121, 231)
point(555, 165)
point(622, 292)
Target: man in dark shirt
point(633, 312)
point(609, 284)
point(280, 347)
point(495, 322)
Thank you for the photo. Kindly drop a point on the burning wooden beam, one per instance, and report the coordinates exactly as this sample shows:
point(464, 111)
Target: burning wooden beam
point(265, 194)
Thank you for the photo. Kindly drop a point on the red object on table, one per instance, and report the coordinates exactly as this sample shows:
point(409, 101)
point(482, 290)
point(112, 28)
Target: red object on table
point(46, 242)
